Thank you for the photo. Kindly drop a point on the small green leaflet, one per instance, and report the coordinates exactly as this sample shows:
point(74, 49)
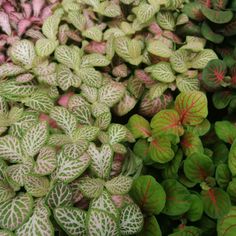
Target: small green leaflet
point(6, 192)
point(16, 211)
point(71, 219)
point(131, 220)
point(226, 131)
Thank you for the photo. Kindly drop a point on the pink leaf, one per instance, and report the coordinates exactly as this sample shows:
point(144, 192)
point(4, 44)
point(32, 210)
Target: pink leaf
point(8, 8)
point(27, 9)
point(22, 26)
point(46, 12)
point(2, 58)
point(155, 29)
point(64, 99)
point(4, 23)
point(51, 122)
point(37, 6)
point(144, 77)
point(16, 17)
point(96, 47)
point(74, 36)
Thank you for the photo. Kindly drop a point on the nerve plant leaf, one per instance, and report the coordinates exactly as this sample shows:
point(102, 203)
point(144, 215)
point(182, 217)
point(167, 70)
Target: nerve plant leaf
point(148, 194)
point(231, 158)
point(226, 131)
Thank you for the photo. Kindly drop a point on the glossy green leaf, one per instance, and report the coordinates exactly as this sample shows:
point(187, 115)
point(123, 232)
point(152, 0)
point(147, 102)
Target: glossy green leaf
point(226, 131)
point(196, 208)
point(232, 158)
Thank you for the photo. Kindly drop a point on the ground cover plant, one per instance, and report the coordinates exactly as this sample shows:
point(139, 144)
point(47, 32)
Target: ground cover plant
point(117, 118)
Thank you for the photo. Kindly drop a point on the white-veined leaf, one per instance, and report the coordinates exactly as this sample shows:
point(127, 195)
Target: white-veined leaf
point(131, 220)
point(166, 20)
point(119, 185)
point(144, 12)
point(69, 169)
point(66, 121)
point(77, 19)
point(158, 48)
point(94, 59)
point(65, 78)
point(16, 211)
point(23, 52)
point(45, 47)
point(71, 219)
point(46, 161)
point(37, 186)
point(50, 26)
point(185, 84)
point(117, 133)
point(9, 69)
point(179, 60)
point(90, 93)
point(101, 160)
point(38, 224)
point(34, 139)
point(94, 33)
point(99, 108)
point(10, 149)
point(59, 195)
point(59, 140)
point(86, 132)
point(75, 150)
point(103, 120)
point(83, 114)
point(6, 192)
point(5, 232)
point(91, 187)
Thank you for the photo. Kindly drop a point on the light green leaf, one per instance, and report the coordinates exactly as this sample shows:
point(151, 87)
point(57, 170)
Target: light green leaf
point(179, 60)
point(232, 159)
point(9, 69)
point(144, 12)
point(75, 150)
point(16, 211)
point(45, 47)
point(93, 33)
point(50, 26)
point(71, 219)
point(166, 20)
point(34, 139)
point(94, 59)
point(86, 132)
point(158, 48)
point(117, 133)
point(6, 192)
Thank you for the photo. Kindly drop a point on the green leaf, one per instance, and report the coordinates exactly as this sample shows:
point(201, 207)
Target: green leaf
point(94, 59)
point(68, 56)
point(166, 20)
point(131, 220)
point(198, 167)
point(10, 149)
point(5, 232)
point(221, 99)
point(160, 150)
point(186, 84)
point(101, 160)
point(192, 107)
point(45, 47)
point(23, 52)
point(9, 69)
point(166, 122)
point(226, 131)
point(16, 211)
point(177, 198)
point(162, 72)
point(195, 44)
point(144, 12)
point(202, 58)
point(158, 48)
point(150, 227)
point(59, 195)
point(64, 119)
point(86, 132)
point(232, 158)
point(50, 26)
point(91, 187)
point(191, 143)
point(216, 16)
point(38, 224)
point(148, 194)
point(103, 121)
point(71, 219)
point(179, 60)
point(196, 209)
point(187, 231)
point(226, 225)
point(111, 93)
point(69, 169)
point(34, 139)
point(94, 33)
point(157, 90)
point(101, 223)
point(37, 186)
point(222, 175)
point(6, 192)
point(46, 161)
point(117, 133)
point(216, 202)
point(139, 126)
point(39, 101)
point(119, 185)
point(104, 203)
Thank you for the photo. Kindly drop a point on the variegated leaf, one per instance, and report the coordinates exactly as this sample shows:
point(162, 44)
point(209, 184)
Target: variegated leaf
point(179, 60)
point(24, 78)
point(104, 203)
point(166, 20)
point(10, 149)
point(71, 219)
point(101, 160)
point(6, 192)
point(185, 84)
point(158, 48)
point(90, 93)
point(50, 26)
point(5, 232)
point(39, 101)
point(93, 33)
point(117, 133)
point(16, 211)
point(66, 121)
point(23, 52)
point(69, 169)
point(103, 121)
point(86, 132)
point(91, 187)
point(90, 77)
point(75, 150)
point(59, 139)
point(83, 114)
point(37, 186)
point(144, 12)
point(46, 161)
point(122, 47)
point(45, 47)
point(131, 220)
point(34, 139)
point(119, 185)
point(77, 19)
point(65, 78)
point(101, 223)
point(38, 224)
point(94, 59)
point(59, 195)
point(9, 69)
point(69, 56)
point(99, 109)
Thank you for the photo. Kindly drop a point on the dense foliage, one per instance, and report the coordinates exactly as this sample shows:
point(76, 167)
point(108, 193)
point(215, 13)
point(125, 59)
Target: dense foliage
point(117, 117)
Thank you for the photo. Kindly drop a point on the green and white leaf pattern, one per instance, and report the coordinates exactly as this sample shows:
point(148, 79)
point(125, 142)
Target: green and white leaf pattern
point(45, 47)
point(6, 192)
